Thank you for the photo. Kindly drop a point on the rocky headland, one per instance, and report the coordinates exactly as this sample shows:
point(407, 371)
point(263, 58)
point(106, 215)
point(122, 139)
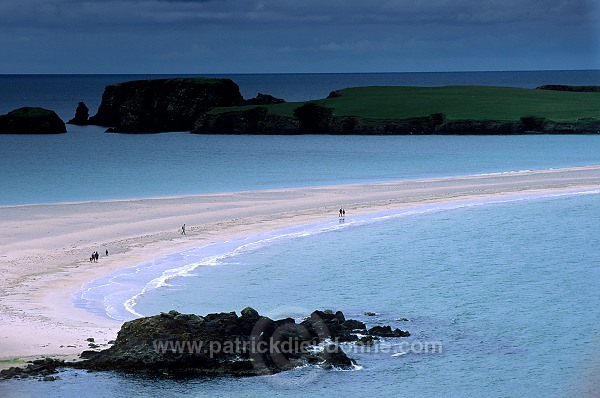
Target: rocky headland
point(216, 106)
point(162, 105)
point(31, 120)
point(175, 345)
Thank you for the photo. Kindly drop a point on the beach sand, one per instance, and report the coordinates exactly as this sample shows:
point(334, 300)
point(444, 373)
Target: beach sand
point(45, 249)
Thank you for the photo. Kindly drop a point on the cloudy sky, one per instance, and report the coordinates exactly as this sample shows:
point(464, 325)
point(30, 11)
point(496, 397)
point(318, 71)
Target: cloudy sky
point(255, 36)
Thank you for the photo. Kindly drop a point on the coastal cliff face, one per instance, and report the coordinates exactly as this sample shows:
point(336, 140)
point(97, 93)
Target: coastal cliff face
point(31, 120)
point(316, 119)
point(147, 106)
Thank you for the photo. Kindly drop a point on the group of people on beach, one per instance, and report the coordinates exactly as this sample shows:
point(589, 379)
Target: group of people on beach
point(342, 212)
point(95, 256)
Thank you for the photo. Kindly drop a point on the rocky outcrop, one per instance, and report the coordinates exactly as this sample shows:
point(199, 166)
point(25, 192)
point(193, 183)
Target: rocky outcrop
point(251, 121)
point(174, 344)
point(264, 99)
point(31, 120)
point(162, 105)
point(82, 114)
point(310, 118)
point(43, 369)
point(216, 344)
point(562, 87)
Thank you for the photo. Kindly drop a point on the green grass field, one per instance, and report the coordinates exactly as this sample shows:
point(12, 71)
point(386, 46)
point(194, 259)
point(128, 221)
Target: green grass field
point(456, 102)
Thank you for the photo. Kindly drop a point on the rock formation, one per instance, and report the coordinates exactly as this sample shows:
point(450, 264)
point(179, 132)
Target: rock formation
point(82, 114)
point(264, 99)
point(161, 105)
point(31, 120)
point(174, 344)
point(563, 87)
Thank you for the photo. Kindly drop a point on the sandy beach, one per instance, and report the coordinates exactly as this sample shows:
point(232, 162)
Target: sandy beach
point(45, 249)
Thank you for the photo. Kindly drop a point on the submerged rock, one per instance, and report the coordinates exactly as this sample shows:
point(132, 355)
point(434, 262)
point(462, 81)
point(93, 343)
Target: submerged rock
point(31, 120)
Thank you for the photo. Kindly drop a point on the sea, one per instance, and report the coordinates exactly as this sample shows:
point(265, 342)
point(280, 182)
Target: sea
point(500, 296)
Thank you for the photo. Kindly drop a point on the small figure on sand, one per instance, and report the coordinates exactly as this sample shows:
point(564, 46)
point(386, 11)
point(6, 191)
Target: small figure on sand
point(96, 256)
point(183, 230)
point(341, 211)
point(106, 252)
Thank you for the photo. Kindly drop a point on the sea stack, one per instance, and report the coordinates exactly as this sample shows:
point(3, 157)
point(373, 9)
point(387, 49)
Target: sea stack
point(82, 114)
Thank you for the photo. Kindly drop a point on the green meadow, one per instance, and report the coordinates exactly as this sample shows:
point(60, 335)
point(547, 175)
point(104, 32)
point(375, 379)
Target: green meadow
point(456, 102)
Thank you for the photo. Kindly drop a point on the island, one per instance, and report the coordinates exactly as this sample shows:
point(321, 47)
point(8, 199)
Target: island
point(216, 106)
point(32, 120)
point(418, 110)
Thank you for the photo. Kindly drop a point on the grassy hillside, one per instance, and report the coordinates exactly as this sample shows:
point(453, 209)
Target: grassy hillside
point(456, 102)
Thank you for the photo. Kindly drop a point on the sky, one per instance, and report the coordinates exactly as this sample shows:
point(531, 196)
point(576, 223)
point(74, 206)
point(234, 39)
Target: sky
point(283, 36)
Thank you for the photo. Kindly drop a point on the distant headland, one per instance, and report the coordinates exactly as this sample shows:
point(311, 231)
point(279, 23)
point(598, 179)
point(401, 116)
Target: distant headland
point(216, 106)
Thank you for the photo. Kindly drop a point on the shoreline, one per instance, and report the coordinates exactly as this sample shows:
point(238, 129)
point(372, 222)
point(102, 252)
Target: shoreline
point(45, 248)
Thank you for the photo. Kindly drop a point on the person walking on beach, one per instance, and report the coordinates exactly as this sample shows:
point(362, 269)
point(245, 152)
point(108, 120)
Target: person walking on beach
point(341, 211)
point(183, 230)
point(96, 256)
point(106, 252)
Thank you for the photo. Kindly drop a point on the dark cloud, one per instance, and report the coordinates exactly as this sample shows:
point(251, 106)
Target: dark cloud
point(285, 11)
point(246, 35)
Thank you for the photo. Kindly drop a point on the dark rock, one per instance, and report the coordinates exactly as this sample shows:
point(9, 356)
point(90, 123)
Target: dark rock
point(184, 344)
point(149, 106)
point(249, 312)
point(314, 118)
point(31, 120)
point(562, 87)
point(333, 356)
point(335, 94)
point(386, 331)
point(82, 114)
point(368, 313)
point(352, 324)
point(264, 99)
point(175, 344)
point(90, 339)
point(251, 121)
point(39, 367)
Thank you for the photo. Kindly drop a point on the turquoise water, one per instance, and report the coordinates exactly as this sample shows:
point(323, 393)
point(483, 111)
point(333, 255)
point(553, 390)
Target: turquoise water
point(508, 289)
point(89, 164)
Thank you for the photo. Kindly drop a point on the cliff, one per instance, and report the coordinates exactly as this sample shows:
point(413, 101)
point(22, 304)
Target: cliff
point(161, 105)
point(315, 119)
point(31, 120)
point(574, 89)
